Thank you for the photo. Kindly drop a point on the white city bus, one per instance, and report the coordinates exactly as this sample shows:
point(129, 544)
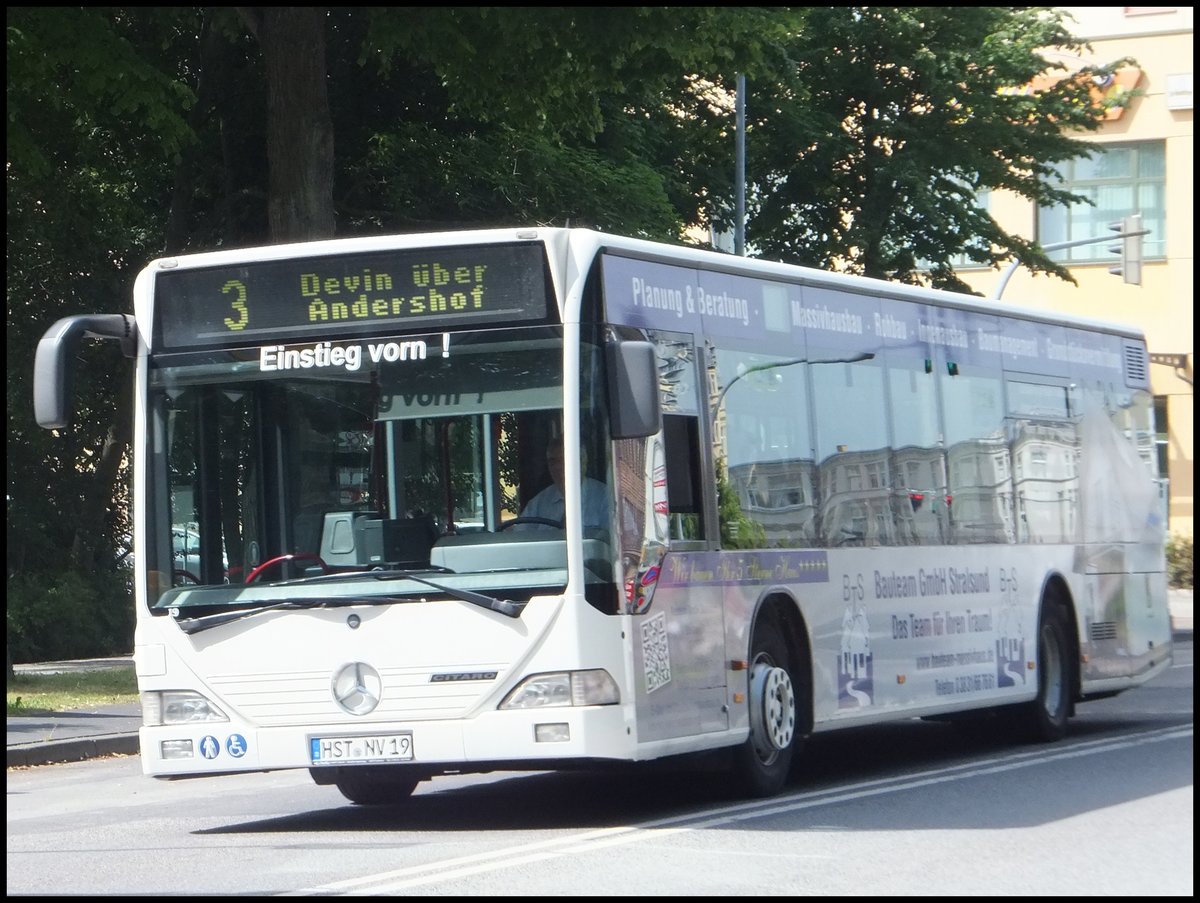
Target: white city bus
point(826, 501)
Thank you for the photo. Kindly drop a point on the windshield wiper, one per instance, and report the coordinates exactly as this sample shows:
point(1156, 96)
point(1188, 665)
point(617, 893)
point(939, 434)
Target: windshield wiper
point(205, 622)
point(502, 606)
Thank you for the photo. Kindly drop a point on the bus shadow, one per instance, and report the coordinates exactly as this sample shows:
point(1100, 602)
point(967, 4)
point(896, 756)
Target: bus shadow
point(920, 767)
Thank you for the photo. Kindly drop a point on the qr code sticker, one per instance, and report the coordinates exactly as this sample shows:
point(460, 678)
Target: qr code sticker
point(655, 653)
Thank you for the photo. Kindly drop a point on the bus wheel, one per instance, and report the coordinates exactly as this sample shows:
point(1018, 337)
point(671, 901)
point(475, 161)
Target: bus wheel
point(1045, 719)
point(762, 762)
point(370, 786)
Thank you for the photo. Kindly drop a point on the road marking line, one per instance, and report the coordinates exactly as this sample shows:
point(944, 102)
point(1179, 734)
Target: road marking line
point(590, 841)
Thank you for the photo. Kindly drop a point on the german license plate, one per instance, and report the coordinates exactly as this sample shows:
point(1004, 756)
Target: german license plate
point(373, 748)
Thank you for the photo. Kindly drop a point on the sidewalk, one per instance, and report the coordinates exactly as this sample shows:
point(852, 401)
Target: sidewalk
point(73, 736)
point(112, 730)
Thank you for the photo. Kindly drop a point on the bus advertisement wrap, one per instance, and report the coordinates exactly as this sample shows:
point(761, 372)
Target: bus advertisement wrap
point(774, 315)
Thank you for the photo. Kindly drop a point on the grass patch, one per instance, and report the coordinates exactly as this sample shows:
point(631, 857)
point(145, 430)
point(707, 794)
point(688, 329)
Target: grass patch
point(40, 694)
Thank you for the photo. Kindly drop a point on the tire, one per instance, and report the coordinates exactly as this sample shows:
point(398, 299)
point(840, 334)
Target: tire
point(1045, 719)
point(375, 786)
point(762, 762)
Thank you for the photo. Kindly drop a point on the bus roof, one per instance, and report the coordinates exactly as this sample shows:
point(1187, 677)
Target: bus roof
point(577, 247)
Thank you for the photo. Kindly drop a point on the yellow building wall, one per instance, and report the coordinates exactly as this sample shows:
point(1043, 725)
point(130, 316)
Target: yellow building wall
point(1159, 39)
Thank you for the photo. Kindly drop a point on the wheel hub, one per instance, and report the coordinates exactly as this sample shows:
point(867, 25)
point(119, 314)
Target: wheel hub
point(772, 710)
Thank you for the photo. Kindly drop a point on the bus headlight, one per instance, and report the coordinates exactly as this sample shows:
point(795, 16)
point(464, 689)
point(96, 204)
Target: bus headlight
point(562, 688)
point(178, 707)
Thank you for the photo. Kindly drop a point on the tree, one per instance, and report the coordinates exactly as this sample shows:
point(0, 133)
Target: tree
point(225, 113)
point(83, 194)
point(82, 206)
point(870, 154)
point(139, 132)
point(582, 115)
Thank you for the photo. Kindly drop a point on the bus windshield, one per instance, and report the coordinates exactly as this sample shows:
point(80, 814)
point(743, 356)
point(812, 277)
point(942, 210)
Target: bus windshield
point(302, 463)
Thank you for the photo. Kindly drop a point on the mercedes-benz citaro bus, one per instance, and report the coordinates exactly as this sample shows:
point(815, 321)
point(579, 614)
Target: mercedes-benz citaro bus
point(790, 502)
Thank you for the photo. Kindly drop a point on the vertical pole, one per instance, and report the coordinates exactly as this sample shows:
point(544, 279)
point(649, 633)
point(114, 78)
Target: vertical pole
point(739, 228)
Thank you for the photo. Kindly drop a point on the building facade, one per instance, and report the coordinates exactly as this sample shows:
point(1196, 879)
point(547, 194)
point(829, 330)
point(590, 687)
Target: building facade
point(1144, 167)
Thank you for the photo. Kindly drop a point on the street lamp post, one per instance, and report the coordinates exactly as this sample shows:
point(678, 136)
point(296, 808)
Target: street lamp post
point(1129, 231)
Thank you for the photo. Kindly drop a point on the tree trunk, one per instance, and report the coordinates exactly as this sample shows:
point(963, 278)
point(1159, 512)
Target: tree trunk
point(93, 520)
point(299, 126)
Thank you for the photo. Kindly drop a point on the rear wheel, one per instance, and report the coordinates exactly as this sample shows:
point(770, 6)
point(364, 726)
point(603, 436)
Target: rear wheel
point(761, 764)
point(1045, 719)
point(375, 786)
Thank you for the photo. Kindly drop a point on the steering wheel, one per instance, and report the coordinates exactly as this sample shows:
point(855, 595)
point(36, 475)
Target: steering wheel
point(544, 521)
point(291, 556)
point(185, 577)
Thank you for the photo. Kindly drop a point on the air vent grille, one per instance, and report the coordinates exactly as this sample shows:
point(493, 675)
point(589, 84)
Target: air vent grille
point(1104, 630)
point(1137, 374)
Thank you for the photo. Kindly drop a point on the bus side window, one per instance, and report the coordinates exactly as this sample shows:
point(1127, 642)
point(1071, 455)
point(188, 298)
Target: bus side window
point(681, 441)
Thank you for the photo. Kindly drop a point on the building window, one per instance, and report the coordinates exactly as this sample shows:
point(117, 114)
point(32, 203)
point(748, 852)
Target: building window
point(1162, 429)
point(1119, 180)
point(983, 200)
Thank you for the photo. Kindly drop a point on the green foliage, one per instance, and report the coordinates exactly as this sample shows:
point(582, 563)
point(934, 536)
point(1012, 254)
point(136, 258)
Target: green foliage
point(552, 71)
point(67, 615)
point(737, 530)
point(905, 114)
point(135, 132)
point(1179, 562)
point(94, 123)
point(38, 694)
point(88, 71)
point(504, 178)
point(597, 116)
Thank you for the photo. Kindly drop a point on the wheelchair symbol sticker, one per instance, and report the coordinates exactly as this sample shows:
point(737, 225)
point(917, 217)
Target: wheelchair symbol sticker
point(236, 745)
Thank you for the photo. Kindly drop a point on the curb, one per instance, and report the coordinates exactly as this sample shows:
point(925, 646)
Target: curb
point(77, 750)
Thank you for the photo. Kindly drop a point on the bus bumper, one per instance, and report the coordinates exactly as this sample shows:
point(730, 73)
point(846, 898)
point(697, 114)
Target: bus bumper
point(548, 735)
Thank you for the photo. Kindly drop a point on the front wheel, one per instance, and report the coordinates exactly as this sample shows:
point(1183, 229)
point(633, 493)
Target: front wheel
point(369, 785)
point(761, 764)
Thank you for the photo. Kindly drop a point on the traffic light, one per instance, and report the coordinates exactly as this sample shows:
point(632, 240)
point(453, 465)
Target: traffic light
point(1131, 232)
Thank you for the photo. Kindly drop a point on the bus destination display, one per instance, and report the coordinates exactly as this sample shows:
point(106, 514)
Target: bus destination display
point(410, 290)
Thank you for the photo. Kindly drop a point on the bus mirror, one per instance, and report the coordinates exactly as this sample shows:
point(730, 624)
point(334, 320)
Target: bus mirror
point(635, 410)
point(55, 357)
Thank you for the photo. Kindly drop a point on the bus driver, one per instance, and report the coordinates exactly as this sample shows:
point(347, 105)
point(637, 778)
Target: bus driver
point(551, 505)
